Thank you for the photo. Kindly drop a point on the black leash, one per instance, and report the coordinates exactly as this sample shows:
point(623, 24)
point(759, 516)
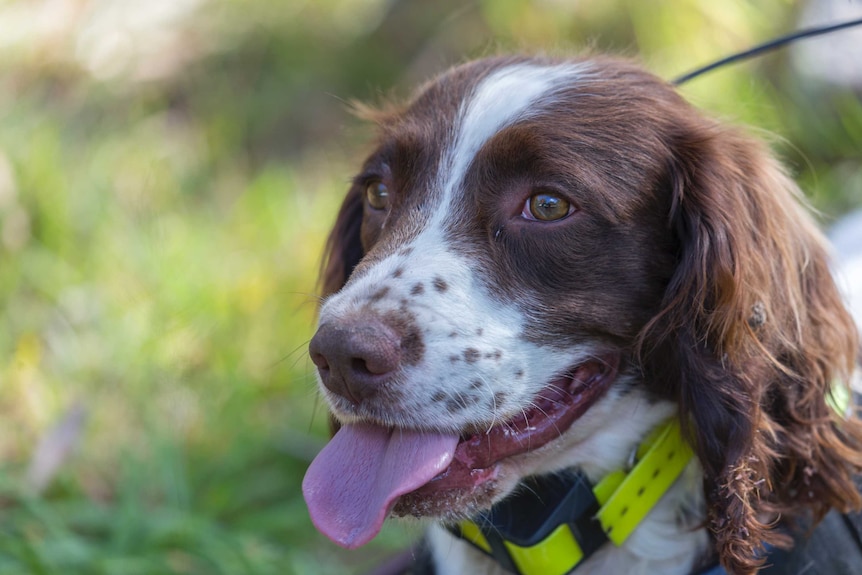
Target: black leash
point(766, 47)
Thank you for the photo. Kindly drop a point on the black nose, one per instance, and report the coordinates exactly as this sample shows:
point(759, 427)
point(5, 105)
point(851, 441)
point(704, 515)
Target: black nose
point(357, 356)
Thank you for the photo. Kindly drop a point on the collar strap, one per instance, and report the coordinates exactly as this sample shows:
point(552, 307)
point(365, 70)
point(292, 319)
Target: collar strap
point(555, 522)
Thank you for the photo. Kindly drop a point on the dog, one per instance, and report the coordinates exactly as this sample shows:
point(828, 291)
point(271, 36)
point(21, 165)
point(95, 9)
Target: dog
point(541, 263)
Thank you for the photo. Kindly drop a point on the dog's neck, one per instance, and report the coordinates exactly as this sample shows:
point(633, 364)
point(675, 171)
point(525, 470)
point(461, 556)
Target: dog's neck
point(669, 539)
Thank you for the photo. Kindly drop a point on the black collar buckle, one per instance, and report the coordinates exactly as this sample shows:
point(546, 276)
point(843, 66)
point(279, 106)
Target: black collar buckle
point(547, 528)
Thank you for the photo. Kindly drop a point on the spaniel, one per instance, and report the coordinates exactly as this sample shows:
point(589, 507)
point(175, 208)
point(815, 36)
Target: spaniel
point(542, 262)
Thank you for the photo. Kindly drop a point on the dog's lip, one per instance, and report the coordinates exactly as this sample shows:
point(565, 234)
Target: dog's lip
point(554, 410)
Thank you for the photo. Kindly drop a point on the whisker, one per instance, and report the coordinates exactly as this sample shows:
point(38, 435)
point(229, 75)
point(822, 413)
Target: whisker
point(559, 432)
point(525, 485)
point(306, 381)
point(550, 400)
point(281, 360)
point(314, 409)
point(493, 409)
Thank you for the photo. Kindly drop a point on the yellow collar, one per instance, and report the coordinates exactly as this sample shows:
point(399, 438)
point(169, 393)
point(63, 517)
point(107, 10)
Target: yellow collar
point(573, 518)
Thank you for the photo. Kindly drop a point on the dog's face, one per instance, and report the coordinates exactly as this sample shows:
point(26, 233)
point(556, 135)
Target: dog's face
point(505, 253)
point(502, 281)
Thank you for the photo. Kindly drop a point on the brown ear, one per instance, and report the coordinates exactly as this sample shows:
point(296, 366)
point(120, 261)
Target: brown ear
point(344, 246)
point(751, 336)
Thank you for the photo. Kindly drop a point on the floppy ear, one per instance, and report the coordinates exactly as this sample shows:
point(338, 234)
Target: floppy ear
point(344, 246)
point(751, 336)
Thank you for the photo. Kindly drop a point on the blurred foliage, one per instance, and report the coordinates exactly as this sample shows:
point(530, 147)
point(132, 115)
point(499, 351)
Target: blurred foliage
point(168, 171)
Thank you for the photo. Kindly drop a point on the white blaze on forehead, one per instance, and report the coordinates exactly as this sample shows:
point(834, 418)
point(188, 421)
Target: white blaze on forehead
point(505, 96)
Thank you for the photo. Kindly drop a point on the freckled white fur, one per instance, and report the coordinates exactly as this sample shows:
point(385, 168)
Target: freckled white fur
point(452, 322)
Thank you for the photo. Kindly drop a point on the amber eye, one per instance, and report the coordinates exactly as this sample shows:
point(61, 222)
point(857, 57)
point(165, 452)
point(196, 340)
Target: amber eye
point(377, 195)
point(546, 207)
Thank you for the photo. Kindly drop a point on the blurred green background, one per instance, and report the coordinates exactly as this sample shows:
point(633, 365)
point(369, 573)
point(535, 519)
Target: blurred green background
point(168, 172)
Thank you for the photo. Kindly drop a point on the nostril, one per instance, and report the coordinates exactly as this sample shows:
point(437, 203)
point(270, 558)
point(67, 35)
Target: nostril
point(356, 356)
point(378, 360)
point(359, 366)
point(319, 360)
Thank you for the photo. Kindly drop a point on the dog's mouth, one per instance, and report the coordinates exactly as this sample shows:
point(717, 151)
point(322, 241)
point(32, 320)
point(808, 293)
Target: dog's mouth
point(367, 471)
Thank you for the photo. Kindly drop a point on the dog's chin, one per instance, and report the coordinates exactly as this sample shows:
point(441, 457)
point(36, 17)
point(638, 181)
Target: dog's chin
point(450, 505)
point(488, 466)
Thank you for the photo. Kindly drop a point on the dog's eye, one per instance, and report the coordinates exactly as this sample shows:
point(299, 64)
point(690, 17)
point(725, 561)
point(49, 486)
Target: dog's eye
point(546, 207)
point(377, 195)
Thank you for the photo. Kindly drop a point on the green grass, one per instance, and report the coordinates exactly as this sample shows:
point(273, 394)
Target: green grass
point(179, 322)
point(166, 287)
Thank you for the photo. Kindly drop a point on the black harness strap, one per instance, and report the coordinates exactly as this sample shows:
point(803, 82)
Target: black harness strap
point(834, 548)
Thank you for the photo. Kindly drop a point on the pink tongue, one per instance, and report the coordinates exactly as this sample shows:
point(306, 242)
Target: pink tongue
point(351, 485)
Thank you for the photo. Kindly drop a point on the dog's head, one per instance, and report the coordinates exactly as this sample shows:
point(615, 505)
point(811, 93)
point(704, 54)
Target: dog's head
point(540, 261)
